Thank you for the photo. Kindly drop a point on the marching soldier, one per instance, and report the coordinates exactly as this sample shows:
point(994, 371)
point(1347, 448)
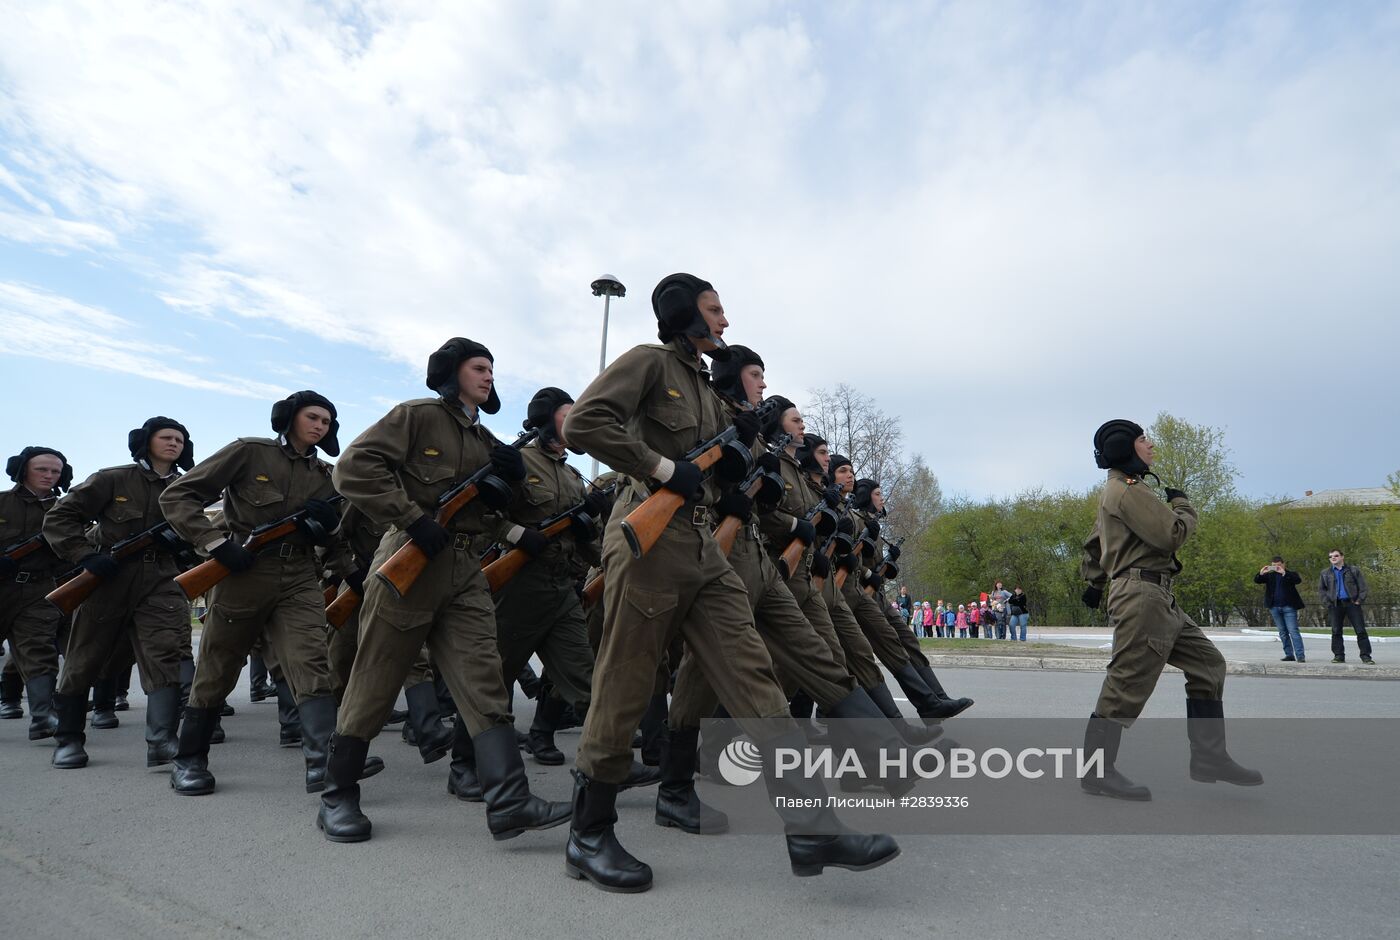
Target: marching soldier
point(641, 416)
point(137, 601)
point(28, 622)
point(273, 592)
point(1132, 553)
point(395, 473)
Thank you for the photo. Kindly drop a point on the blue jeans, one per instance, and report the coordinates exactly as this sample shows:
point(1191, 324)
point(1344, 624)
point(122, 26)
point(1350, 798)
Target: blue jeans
point(1021, 621)
point(1286, 619)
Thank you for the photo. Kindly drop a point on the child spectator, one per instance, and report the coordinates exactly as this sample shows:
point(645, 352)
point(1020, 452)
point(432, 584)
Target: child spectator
point(928, 619)
point(961, 622)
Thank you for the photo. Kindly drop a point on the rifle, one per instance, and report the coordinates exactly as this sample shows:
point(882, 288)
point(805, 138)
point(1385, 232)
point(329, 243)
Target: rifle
point(824, 519)
point(754, 485)
point(328, 591)
point(24, 547)
point(592, 591)
point(203, 576)
point(339, 610)
point(840, 543)
point(406, 564)
point(506, 566)
point(888, 569)
point(828, 549)
point(79, 583)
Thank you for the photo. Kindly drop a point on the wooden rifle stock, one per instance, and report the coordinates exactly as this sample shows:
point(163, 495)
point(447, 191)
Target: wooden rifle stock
point(328, 592)
point(644, 525)
point(339, 610)
point(592, 591)
point(828, 550)
point(203, 576)
point(727, 532)
point(76, 589)
point(406, 564)
point(24, 549)
point(509, 564)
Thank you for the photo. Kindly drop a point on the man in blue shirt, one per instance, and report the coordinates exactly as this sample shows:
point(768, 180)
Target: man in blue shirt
point(1343, 591)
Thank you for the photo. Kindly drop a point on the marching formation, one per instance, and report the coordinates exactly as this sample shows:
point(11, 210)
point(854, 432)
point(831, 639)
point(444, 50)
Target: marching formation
point(729, 565)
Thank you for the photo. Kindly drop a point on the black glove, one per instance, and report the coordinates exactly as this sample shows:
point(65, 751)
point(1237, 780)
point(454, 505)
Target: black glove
point(872, 528)
point(596, 503)
point(99, 565)
point(1091, 597)
point(319, 521)
point(430, 537)
point(832, 496)
point(746, 423)
point(532, 543)
point(734, 503)
point(821, 565)
point(355, 580)
point(507, 463)
point(1173, 494)
point(848, 562)
point(233, 556)
point(769, 462)
point(845, 526)
point(686, 479)
point(8, 568)
point(805, 531)
point(894, 553)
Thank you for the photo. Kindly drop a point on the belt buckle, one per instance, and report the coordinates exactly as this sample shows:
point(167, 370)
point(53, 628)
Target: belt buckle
point(753, 530)
point(461, 542)
point(22, 577)
point(700, 515)
point(148, 557)
point(285, 550)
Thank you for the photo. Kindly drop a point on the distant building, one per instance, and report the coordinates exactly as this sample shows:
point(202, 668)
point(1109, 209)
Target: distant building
point(1362, 497)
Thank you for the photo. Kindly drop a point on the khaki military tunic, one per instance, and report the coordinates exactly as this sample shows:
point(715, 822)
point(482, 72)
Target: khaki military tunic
point(394, 473)
point(29, 623)
point(1132, 549)
point(878, 631)
point(654, 402)
point(260, 480)
point(141, 604)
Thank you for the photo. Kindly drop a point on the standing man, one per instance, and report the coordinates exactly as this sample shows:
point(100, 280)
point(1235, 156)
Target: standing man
point(28, 622)
point(137, 601)
point(1132, 550)
point(274, 591)
point(394, 473)
point(1343, 590)
point(1281, 597)
point(642, 415)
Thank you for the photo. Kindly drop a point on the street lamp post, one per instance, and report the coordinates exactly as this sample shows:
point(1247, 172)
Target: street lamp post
point(606, 287)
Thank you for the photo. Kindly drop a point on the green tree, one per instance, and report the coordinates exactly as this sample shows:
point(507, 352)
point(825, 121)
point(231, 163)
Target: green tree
point(1193, 458)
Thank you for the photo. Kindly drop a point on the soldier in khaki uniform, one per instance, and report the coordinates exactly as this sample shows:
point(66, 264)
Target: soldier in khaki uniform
point(395, 473)
point(28, 622)
point(1132, 549)
point(433, 739)
point(274, 592)
point(137, 602)
point(641, 416)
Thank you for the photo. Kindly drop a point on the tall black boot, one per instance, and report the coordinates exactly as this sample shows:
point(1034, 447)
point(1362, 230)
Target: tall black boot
point(444, 694)
point(190, 776)
point(529, 682)
point(930, 707)
point(860, 724)
point(434, 740)
point(104, 704)
point(288, 717)
point(654, 730)
point(511, 808)
point(218, 736)
point(120, 689)
point(186, 682)
point(11, 690)
point(42, 721)
point(71, 711)
point(1105, 735)
point(162, 725)
point(540, 741)
point(926, 673)
point(259, 687)
point(884, 703)
point(340, 817)
point(317, 726)
point(593, 851)
point(677, 803)
point(1205, 727)
point(816, 839)
point(801, 707)
point(462, 781)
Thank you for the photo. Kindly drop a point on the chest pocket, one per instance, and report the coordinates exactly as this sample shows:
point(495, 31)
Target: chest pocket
point(428, 473)
point(538, 494)
point(676, 417)
point(123, 509)
point(260, 493)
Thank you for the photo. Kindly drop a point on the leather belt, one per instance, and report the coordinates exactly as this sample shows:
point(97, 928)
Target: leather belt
point(285, 550)
point(1155, 577)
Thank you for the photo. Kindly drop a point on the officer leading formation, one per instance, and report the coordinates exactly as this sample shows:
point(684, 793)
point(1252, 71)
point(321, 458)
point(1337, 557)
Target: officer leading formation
point(729, 565)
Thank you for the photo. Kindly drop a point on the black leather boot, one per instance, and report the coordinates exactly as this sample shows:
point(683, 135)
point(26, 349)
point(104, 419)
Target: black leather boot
point(162, 725)
point(860, 724)
point(640, 775)
point(677, 803)
point(881, 697)
point(11, 690)
point(190, 776)
point(218, 736)
point(186, 682)
point(120, 690)
point(462, 781)
point(801, 707)
point(288, 717)
point(816, 839)
point(1210, 762)
point(654, 730)
point(260, 689)
point(593, 851)
point(317, 726)
point(433, 738)
point(930, 707)
point(529, 682)
point(958, 706)
point(42, 721)
point(340, 817)
point(71, 711)
point(1105, 735)
point(540, 741)
point(104, 704)
point(511, 808)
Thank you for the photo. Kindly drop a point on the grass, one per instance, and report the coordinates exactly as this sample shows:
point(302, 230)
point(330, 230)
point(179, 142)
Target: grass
point(1008, 648)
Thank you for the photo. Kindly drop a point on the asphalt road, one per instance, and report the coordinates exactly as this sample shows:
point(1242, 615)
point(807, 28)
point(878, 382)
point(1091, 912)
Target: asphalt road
point(111, 851)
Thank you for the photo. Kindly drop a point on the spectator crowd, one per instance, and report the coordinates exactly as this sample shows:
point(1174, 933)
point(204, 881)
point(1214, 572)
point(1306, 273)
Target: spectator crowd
point(997, 614)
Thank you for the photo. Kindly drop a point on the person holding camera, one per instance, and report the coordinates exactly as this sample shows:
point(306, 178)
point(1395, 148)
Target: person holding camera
point(1281, 597)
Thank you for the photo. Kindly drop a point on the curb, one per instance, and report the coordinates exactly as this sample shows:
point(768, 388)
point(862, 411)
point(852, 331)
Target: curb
point(1258, 670)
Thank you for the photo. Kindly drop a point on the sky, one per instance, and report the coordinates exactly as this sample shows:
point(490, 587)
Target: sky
point(1006, 222)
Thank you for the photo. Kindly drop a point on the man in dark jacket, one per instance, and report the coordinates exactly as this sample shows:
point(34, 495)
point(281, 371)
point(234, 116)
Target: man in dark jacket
point(1281, 597)
point(1343, 590)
